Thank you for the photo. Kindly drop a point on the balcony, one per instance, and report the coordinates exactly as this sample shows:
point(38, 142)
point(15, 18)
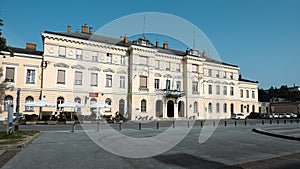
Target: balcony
point(144, 89)
point(171, 93)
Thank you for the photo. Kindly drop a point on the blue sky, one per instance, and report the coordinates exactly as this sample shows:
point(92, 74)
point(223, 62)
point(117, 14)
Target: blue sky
point(261, 37)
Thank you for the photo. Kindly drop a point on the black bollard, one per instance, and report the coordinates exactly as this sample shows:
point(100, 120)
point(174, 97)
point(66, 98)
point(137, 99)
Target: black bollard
point(235, 122)
point(73, 127)
point(262, 122)
point(245, 122)
point(225, 123)
point(140, 126)
point(188, 124)
point(297, 120)
point(284, 121)
point(291, 121)
point(120, 126)
point(201, 124)
point(270, 121)
point(214, 123)
point(157, 125)
point(173, 123)
point(277, 121)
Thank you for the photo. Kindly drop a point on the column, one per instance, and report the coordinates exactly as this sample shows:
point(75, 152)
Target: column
point(175, 109)
point(165, 108)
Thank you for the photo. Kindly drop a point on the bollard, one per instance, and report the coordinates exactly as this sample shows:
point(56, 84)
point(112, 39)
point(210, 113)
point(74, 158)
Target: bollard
point(277, 121)
point(173, 123)
point(235, 122)
point(245, 122)
point(214, 123)
point(225, 123)
point(157, 125)
point(262, 122)
point(120, 126)
point(284, 121)
point(270, 121)
point(140, 126)
point(297, 120)
point(188, 124)
point(201, 124)
point(73, 127)
point(291, 121)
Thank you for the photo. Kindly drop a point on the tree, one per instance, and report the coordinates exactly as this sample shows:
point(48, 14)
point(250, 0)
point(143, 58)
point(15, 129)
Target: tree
point(3, 47)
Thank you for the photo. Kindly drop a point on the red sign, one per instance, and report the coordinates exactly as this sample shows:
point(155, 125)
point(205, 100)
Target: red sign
point(93, 94)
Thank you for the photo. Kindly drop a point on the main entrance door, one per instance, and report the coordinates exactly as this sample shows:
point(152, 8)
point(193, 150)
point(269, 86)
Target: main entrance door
point(180, 109)
point(170, 105)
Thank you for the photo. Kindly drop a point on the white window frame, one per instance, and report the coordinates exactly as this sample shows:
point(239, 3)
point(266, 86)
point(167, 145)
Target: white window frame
point(56, 76)
point(122, 82)
point(25, 76)
point(122, 60)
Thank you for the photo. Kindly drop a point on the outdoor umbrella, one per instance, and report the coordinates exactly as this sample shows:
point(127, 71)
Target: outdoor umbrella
point(39, 103)
point(100, 105)
point(71, 104)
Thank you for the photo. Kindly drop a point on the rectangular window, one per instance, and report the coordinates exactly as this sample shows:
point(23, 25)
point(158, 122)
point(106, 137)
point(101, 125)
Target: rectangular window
point(122, 81)
point(209, 89)
point(108, 82)
point(61, 76)
point(178, 85)
point(78, 54)
point(210, 72)
point(178, 67)
point(225, 90)
point(168, 84)
point(156, 83)
point(231, 91)
point(122, 60)
point(194, 68)
point(195, 86)
point(217, 73)
point(94, 79)
point(156, 64)
point(225, 108)
point(78, 78)
point(95, 57)
point(242, 93)
point(247, 93)
point(168, 66)
point(218, 90)
point(231, 75)
point(109, 58)
point(30, 76)
point(143, 81)
point(225, 74)
point(253, 94)
point(143, 60)
point(10, 74)
point(62, 51)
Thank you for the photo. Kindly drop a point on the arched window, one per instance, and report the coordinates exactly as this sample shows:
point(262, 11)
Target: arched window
point(231, 108)
point(218, 107)
point(225, 108)
point(27, 100)
point(195, 107)
point(59, 100)
point(108, 101)
point(77, 100)
point(253, 108)
point(248, 107)
point(209, 107)
point(143, 105)
point(7, 101)
point(122, 107)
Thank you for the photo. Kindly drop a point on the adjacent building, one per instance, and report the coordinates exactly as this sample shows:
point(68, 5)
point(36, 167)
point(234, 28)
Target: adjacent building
point(137, 78)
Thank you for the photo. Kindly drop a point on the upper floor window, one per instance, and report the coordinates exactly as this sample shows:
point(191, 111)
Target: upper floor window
point(168, 66)
point(194, 68)
point(195, 86)
point(177, 65)
point(168, 84)
point(94, 79)
point(218, 90)
point(143, 81)
point(242, 93)
point(247, 93)
point(209, 89)
point(62, 51)
point(231, 75)
point(143, 60)
point(156, 83)
point(78, 78)
point(231, 91)
point(218, 107)
point(209, 72)
point(10, 74)
point(178, 85)
point(122, 81)
point(224, 90)
point(156, 64)
point(78, 54)
point(122, 60)
point(253, 94)
point(108, 82)
point(61, 76)
point(109, 57)
point(217, 73)
point(30, 76)
point(95, 57)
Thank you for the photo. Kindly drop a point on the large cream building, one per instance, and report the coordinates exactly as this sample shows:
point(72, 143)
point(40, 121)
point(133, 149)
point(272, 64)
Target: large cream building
point(137, 78)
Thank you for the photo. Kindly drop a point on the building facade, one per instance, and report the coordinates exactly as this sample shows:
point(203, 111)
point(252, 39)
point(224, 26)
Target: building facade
point(139, 79)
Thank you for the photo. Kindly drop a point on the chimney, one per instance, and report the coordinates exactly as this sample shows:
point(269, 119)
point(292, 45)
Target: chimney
point(69, 28)
point(90, 30)
point(126, 39)
point(165, 45)
point(84, 29)
point(31, 46)
point(204, 54)
point(157, 44)
point(240, 77)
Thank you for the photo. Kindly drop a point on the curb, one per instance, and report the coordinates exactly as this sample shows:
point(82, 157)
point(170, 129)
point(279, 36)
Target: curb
point(260, 131)
point(23, 144)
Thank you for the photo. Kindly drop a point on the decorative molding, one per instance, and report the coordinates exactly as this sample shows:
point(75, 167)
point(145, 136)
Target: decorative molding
point(109, 70)
point(122, 72)
point(178, 77)
point(78, 67)
point(10, 63)
point(60, 64)
point(168, 76)
point(94, 69)
point(157, 75)
point(29, 65)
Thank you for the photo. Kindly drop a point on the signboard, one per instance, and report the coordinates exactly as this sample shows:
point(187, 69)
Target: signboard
point(93, 94)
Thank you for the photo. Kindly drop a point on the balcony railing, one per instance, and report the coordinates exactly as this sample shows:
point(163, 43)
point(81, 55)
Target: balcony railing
point(144, 89)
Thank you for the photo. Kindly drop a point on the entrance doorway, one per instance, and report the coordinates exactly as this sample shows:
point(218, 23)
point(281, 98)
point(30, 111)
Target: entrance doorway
point(170, 106)
point(180, 109)
point(159, 108)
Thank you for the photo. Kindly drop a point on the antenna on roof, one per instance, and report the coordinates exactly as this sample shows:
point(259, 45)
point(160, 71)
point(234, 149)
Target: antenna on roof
point(144, 26)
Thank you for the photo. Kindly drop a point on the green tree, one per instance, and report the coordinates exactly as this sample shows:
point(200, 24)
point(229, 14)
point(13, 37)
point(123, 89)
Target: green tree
point(3, 47)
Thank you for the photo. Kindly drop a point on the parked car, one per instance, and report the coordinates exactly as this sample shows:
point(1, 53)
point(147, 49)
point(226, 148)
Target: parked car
point(275, 115)
point(238, 116)
point(254, 115)
point(293, 115)
point(284, 115)
point(267, 116)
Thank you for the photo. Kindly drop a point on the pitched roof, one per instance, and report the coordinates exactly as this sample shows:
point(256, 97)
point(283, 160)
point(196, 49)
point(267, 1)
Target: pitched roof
point(26, 51)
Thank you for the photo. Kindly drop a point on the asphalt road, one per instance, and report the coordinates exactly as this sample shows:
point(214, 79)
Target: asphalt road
point(228, 147)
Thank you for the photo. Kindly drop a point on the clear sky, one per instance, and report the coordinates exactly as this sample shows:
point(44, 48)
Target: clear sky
point(262, 37)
